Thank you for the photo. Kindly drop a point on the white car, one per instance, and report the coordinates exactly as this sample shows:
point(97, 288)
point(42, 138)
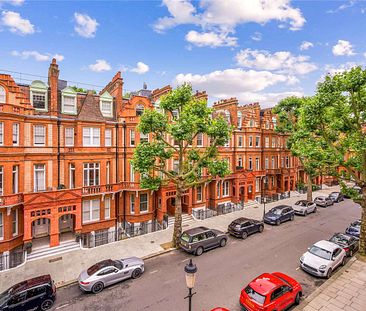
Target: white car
point(323, 258)
point(304, 207)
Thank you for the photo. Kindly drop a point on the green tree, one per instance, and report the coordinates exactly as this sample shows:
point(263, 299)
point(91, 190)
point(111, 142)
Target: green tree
point(337, 116)
point(174, 128)
point(312, 153)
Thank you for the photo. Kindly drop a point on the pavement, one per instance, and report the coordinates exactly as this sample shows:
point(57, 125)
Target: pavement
point(345, 291)
point(222, 272)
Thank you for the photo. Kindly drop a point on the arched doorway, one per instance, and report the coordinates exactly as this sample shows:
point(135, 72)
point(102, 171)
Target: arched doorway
point(66, 225)
point(170, 206)
point(241, 195)
point(40, 232)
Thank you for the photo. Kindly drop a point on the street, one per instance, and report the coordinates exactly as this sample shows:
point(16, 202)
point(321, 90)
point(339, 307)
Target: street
point(222, 272)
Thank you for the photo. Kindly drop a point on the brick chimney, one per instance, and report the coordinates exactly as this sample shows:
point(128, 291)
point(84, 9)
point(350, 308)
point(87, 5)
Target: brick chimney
point(53, 73)
point(115, 88)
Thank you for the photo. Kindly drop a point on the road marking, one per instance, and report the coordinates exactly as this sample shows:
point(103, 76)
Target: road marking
point(297, 268)
point(233, 242)
point(151, 272)
point(62, 306)
point(185, 259)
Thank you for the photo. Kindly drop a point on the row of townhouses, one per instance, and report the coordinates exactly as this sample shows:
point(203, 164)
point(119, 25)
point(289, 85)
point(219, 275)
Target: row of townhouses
point(65, 166)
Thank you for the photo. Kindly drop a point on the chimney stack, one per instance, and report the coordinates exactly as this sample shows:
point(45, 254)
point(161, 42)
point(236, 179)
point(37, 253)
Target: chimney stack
point(53, 73)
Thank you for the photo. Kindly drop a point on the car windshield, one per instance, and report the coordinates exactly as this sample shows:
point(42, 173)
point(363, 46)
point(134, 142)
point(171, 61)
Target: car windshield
point(276, 211)
point(320, 252)
point(356, 224)
point(185, 237)
point(254, 295)
point(4, 297)
point(320, 198)
point(100, 265)
point(300, 203)
point(333, 194)
point(339, 239)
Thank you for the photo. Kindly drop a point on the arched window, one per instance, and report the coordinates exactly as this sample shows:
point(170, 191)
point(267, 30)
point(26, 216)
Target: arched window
point(251, 123)
point(2, 95)
point(240, 119)
point(139, 110)
point(227, 115)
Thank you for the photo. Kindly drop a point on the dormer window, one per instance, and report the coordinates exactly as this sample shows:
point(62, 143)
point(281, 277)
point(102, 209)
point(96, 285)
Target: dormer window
point(38, 95)
point(240, 119)
point(139, 110)
point(251, 123)
point(106, 104)
point(2, 95)
point(68, 101)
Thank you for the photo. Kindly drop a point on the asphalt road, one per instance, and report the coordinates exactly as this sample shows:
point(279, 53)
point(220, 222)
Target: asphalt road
point(222, 272)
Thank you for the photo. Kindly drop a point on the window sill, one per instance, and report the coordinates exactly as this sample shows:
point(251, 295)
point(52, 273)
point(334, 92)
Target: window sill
point(87, 222)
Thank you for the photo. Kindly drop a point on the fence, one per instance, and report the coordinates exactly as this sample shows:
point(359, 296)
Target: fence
point(11, 260)
point(102, 237)
point(202, 214)
point(273, 198)
point(221, 209)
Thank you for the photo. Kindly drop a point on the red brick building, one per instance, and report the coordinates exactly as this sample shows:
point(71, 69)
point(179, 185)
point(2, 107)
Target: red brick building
point(65, 161)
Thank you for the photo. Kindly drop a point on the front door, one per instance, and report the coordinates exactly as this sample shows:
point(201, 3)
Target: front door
point(66, 223)
point(40, 228)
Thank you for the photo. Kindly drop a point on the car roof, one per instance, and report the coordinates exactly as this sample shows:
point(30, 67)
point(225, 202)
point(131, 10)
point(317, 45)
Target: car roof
point(335, 192)
point(265, 283)
point(343, 235)
point(329, 246)
point(196, 230)
point(281, 206)
point(321, 196)
point(303, 201)
point(240, 220)
point(39, 280)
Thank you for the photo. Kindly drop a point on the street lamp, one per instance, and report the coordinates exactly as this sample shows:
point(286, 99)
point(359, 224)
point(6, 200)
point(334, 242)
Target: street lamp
point(265, 179)
point(190, 270)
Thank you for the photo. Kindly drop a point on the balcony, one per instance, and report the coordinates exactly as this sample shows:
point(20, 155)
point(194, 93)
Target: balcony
point(273, 171)
point(130, 185)
point(90, 190)
point(12, 199)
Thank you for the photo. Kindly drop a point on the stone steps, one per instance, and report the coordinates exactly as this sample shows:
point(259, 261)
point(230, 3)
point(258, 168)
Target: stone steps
point(185, 219)
point(46, 251)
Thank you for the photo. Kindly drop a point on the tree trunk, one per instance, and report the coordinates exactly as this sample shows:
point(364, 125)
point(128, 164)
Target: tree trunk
point(309, 195)
point(362, 250)
point(178, 218)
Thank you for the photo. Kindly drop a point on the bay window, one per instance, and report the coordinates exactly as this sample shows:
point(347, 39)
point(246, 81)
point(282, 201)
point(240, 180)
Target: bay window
point(199, 193)
point(39, 177)
point(107, 208)
point(91, 210)
point(225, 189)
point(132, 204)
point(143, 203)
point(15, 173)
point(15, 134)
point(14, 222)
point(91, 174)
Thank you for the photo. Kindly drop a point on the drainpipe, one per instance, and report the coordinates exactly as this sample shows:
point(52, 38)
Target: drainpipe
point(58, 152)
point(116, 198)
point(124, 172)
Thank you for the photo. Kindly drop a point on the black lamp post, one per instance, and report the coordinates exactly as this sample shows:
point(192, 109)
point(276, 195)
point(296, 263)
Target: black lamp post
point(264, 187)
point(190, 270)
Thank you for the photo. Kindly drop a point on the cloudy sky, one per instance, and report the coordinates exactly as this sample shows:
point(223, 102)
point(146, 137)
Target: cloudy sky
point(256, 50)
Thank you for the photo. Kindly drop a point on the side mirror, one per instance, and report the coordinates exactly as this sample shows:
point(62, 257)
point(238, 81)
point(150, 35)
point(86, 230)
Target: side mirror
point(333, 258)
point(308, 248)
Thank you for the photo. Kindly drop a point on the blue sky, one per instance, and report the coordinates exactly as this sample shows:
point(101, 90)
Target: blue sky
point(256, 50)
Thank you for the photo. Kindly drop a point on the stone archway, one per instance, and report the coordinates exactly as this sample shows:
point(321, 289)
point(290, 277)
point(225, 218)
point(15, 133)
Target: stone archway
point(41, 229)
point(66, 225)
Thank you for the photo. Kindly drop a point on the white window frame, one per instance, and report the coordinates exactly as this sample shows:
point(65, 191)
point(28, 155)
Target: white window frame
point(273, 142)
point(2, 95)
point(250, 162)
point(199, 140)
point(39, 128)
point(93, 167)
point(1, 133)
point(91, 136)
point(39, 168)
point(132, 204)
point(69, 136)
point(1, 226)
point(15, 179)
point(39, 93)
point(89, 208)
point(218, 189)
point(257, 141)
point(273, 162)
point(107, 172)
point(132, 138)
point(147, 203)
point(225, 188)
point(251, 141)
point(240, 141)
point(1, 180)
point(266, 163)
point(257, 184)
point(108, 137)
point(175, 165)
point(266, 144)
point(71, 111)
point(132, 173)
point(199, 193)
point(257, 164)
point(144, 137)
point(240, 161)
point(14, 232)
point(72, 175)
point(106, 112)
point(107, 207)
point(15, 134)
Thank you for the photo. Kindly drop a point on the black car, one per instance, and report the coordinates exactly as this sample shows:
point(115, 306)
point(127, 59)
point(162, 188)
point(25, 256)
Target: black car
point(347, 242)
point(37, 293)
point(323, 201)
point(242, 227)
point(279, 214)
point(336, 197)
point(354, 228)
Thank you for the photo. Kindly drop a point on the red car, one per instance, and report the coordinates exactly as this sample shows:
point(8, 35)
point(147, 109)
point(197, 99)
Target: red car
point(270, 292)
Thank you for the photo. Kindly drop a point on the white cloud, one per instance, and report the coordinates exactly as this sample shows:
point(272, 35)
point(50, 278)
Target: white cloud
point(333, 69)
point(283, 61)
point(85, 25)
point(364, 54)
point(210, 39)
point(12, 2)
point(16, 23)
point(100, 66)
point(342, 7)
point(266, 100)
point(343, 47)
point(257, 36)
point(37, 56)
point(305, 45)
point(140, 68)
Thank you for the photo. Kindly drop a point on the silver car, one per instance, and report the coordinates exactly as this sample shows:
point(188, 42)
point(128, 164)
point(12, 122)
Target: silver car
point(304, 207)
point(108, 272)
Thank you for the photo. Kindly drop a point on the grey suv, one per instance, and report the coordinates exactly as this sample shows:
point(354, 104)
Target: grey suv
point(197, 240)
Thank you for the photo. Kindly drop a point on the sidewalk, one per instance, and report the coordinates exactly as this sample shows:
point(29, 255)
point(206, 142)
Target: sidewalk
point(65, 268)
point(345, 291)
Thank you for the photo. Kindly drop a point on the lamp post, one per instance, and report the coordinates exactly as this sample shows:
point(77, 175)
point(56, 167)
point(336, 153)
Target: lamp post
point(190, 269)
point(265, 179)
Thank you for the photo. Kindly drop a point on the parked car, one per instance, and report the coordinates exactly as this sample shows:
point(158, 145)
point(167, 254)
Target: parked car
point(323, 201)
point(323, 258)
point(354, 228)
point(271, 291)
point(336, 197)
point(220, 309)
point(356, 188)
point(279, 214)
point(304, 207)
point(242, 227)
point(37, 293)
point(108, 272)
point(199, 239)
point(349, 243)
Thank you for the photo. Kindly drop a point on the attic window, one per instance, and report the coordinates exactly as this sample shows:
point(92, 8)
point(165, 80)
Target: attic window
point(38, 95)
point(107, 108)
point(139, 110)
point(68, 101)
point(2, 95)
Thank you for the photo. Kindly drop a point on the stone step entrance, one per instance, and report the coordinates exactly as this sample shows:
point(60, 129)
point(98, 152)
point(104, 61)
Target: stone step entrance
point(46, 251)
point(185, 220)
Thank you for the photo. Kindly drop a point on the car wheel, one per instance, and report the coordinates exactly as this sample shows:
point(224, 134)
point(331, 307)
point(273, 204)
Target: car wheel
point(261, 228)
point(199, 251)
point(297, 298)
point(244, 235)
point(278, 222)
point(47, 304)
point(97, 287)
point(136, 273)
point(223, 242)
point(329, 273)
point(306, 213)
point(292, 217)
point(314, 210)
point(344, 260)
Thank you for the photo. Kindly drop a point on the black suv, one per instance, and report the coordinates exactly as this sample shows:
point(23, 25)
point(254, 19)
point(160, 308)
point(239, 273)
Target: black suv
point(242, 227)
point(197, 240)
point(279, 214)
point(37, 293)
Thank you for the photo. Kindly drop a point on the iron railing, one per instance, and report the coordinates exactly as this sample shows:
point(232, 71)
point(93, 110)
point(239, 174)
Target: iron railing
point(11, 260)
